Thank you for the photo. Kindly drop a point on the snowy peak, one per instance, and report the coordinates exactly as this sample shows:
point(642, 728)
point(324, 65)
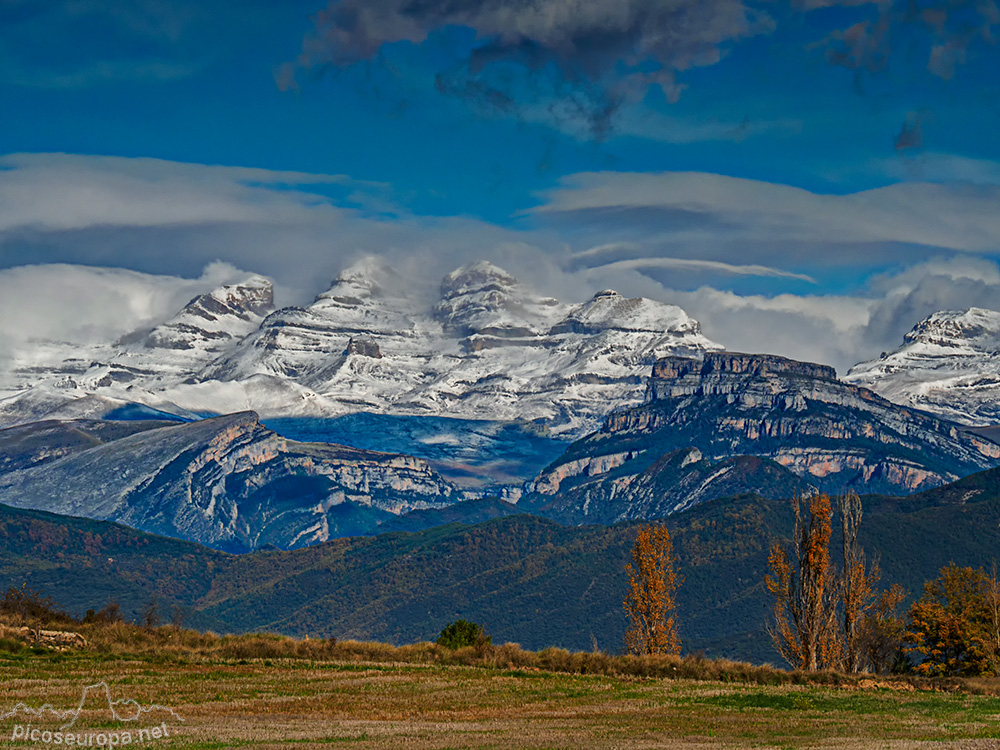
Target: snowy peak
point(608, 310)
point(480, 298)
point(949, 364)
point(208, 321)
point(489, 347)
point(481, 276)
point(973, 328)
point(249, 298)
point(365, 279)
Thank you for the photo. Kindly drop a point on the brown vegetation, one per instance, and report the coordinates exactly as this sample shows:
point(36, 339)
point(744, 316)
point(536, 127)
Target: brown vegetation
point(824, 618)
point(651, 603)
point(955, 626)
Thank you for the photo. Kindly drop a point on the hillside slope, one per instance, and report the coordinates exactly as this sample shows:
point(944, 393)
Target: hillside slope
point(227, 482)
point(527, 579)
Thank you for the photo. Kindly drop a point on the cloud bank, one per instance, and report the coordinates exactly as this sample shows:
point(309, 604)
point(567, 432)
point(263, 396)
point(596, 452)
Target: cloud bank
point(86, 305)
point(829, 278)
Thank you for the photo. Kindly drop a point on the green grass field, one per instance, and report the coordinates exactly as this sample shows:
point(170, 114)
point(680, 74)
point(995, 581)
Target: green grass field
point(347, 699)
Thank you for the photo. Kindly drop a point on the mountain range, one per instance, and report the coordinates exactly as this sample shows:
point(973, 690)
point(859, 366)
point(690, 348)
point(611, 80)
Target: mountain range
point(227, 482)
point(487, 347)
point(376, 402)
point(719, 425)
point(730, 423)
point(483, 346)
point(386, 462)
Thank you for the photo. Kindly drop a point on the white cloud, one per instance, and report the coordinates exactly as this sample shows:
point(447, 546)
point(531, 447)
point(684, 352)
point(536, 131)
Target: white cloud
point(939, 167)
point(85, 305)
point(842, 330)
point(172, 218)
point(955, 217)
point(728, 239)
point(64, 191)
point(690, 264)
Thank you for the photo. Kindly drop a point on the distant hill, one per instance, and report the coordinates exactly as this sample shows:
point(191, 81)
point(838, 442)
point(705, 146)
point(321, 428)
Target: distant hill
point(527, 579)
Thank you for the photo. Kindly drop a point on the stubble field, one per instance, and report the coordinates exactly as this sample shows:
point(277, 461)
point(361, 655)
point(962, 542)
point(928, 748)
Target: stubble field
point(296, 703)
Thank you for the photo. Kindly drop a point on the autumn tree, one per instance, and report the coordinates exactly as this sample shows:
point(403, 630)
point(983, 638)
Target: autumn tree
point(805, 589)
point(651, 600)
point(993, 620)
point(955, 626)
point(824, 618)
point(858, 597)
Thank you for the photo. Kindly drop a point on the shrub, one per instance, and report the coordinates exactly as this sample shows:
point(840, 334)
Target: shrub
point(462, 633)
point(26, 605)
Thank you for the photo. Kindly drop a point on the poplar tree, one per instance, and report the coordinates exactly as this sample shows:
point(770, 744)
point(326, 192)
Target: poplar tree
point(805, 589)
point(651, 600)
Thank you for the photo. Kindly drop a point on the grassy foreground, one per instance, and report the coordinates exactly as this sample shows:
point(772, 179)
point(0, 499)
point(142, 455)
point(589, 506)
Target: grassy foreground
point(268, 692)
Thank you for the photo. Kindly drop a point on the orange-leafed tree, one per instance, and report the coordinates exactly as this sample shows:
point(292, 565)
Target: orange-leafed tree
point(806, 589)
point(858, 582)
point(825, 618)
point(651, 600)
point(953, 627)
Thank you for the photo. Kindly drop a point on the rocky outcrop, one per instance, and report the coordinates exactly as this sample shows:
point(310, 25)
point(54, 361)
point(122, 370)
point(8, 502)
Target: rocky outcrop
point(644, 485)
point(949, 365)
point(364, 346)
point(828, 434)
point(58, 640)
point(226, 482)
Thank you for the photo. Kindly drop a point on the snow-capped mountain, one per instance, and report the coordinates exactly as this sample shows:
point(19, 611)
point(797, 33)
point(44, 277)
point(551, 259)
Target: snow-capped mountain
point(487, 347)
point(207, 327)
point(949, 364)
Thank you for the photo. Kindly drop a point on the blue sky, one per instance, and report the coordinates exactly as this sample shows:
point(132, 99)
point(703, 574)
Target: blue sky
point(782, 161)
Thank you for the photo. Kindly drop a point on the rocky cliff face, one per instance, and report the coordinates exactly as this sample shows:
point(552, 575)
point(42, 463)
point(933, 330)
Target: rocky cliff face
point(226, 482)
point(487, 348)
point(828, 434)
point(949, 365)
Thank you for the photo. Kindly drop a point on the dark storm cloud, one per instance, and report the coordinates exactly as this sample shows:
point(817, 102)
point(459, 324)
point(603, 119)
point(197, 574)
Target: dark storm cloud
point(613, 49)
point(586, 59)
point(943, 29)
point(585, 37)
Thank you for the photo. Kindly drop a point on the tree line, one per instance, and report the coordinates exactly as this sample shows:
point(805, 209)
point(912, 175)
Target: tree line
point(827, 616)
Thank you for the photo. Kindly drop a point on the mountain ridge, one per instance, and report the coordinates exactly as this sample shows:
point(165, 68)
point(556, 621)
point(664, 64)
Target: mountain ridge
point(226, 482)
point(814, 431)
point(489, 348)
point(527, 579)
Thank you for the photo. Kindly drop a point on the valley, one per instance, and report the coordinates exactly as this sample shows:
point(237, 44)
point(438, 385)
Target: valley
point(485, 455)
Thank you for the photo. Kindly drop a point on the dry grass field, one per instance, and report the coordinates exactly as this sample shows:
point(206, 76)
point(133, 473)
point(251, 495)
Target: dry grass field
point(267, 692)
